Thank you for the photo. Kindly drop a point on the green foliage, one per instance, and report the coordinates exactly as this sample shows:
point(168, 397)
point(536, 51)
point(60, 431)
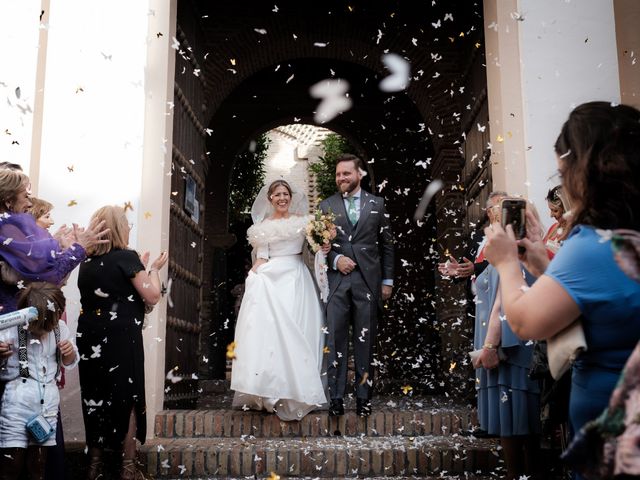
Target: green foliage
point(325, 168)
point(246, 180)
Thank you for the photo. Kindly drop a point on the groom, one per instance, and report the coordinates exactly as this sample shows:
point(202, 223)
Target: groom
point(360, 279)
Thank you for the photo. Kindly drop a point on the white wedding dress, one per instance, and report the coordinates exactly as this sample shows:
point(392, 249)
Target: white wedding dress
point(279, 338)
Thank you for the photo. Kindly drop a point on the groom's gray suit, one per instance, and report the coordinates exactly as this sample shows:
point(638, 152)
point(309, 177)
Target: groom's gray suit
point(356, 297)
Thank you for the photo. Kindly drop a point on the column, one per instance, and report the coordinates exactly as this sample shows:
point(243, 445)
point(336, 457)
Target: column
point(544, 57)
point(106, 139)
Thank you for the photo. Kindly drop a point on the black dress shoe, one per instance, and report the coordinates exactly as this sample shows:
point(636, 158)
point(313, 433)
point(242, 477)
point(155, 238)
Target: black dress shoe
point(336, 407)
point(363, 407)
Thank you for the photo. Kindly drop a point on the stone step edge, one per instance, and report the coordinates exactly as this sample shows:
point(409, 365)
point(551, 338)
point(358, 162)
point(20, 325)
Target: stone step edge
point(236, 423)
point(321, 457)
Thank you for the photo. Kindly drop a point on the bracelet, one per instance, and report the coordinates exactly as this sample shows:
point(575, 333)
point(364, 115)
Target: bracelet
point(489, 346)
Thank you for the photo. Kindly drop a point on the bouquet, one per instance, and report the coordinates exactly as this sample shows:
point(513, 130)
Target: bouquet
point(320, 231)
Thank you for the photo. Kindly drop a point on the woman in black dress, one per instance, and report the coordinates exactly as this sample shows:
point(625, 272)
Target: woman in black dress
point(114, 288)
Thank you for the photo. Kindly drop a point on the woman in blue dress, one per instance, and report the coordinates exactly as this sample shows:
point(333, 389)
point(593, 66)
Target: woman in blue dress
point(599, 159)
point(508, 401)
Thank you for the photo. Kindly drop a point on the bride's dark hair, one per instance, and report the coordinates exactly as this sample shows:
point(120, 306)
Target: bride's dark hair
point(276, 184)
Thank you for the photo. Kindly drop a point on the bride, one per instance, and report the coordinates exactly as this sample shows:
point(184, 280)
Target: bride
point(279, 340)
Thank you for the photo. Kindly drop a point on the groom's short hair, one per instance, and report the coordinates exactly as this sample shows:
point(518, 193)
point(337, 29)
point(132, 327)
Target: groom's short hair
point(350, 157)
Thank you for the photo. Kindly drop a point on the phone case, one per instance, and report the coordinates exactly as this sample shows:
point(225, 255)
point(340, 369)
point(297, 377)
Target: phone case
point(39, 428)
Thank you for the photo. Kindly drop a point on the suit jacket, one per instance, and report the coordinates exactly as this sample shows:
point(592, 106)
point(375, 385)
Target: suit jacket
point(369, 243)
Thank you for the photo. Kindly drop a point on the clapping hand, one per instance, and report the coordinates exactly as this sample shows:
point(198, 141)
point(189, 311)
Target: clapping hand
point(144, 259)
point(159, 262)
point(452, 268)
point(92, 235)
point(65, 237)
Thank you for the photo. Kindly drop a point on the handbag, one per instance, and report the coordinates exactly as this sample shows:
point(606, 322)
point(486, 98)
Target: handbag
point(564, 347)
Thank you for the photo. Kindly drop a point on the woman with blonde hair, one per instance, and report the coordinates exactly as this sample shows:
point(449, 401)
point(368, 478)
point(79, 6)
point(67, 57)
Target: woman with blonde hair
point(41, 211)
point(114, 288)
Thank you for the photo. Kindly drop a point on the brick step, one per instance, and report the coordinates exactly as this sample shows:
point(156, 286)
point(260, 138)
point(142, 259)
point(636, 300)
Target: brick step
point(236, 423)
point(462, 476)
point(325, 457)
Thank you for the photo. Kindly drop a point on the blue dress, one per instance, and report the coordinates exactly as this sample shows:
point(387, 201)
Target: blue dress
point(508, 401)
point(610, 306)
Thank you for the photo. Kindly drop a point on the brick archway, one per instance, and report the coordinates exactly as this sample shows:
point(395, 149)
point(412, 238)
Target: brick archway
point(233, 81)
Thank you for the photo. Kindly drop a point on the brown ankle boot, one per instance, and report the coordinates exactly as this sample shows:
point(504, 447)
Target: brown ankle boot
point(96, 466)
point(133, 470)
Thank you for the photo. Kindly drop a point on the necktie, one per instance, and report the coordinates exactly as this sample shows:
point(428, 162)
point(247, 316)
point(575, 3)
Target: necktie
point(351, 211)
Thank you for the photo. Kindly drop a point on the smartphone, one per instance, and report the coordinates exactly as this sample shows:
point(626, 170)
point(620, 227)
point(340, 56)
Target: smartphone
point(513, 213)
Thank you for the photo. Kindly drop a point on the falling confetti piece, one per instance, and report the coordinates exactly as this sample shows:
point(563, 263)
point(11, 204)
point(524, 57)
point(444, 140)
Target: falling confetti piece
point(400, 73)
point(261, 31)
point(100, 293)
point(172, 377)
point(334, 99)
point(499, 139)
point(128, 206)
point(72, 203)
point(406, 389)
point(231, 351)
point(434, 187)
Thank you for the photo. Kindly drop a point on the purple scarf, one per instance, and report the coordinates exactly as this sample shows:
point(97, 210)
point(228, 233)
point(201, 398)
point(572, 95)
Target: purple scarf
point(28, 248)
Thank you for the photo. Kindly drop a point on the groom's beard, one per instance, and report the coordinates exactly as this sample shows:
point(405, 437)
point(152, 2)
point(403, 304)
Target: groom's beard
point(348, 187)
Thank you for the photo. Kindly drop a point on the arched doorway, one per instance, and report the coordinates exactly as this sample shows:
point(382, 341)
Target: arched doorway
point(239, 74)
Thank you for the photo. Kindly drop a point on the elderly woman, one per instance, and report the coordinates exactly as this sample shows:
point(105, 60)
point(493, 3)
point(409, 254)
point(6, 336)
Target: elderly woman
point(28, 253)
point(114, 288)
point(598, 153)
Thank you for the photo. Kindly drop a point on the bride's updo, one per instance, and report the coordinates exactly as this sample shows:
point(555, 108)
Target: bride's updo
point(278, 183)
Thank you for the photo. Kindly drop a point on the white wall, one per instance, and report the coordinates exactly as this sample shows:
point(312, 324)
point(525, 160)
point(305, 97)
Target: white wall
point(568, 57)
point(282, 161)
point(18, 61)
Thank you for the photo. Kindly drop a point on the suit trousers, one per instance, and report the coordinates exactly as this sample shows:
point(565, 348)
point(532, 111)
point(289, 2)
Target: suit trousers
point(351, 304)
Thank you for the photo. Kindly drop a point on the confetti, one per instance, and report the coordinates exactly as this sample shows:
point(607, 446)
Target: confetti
point(400, 73)
point(231, 354)
point(334, 99)
point(434, 187)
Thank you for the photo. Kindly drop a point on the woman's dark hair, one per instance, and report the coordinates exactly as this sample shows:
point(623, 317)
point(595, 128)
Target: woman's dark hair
point(599, 149)
point(350, 157)
point(554, 196)
point(49, 301)
point(276, 184)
